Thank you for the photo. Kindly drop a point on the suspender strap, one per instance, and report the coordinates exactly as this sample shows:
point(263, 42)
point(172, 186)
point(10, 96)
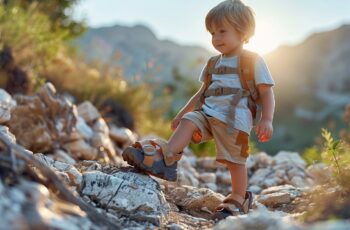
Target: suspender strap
point(207, 80)
point(232, 113)
point(246, 63)
point(223, 70)
point(225, 91)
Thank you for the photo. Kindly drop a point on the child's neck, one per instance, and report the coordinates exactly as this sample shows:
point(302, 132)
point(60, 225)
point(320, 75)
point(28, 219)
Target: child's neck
point(233, 53)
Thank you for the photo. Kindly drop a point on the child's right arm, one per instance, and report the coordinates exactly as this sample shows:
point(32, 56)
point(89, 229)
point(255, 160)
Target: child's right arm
point(190, 106)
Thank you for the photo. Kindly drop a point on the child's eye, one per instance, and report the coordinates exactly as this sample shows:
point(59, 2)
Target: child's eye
point(222, 31)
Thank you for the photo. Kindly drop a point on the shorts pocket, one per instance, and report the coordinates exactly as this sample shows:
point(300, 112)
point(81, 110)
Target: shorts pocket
point(243, 140)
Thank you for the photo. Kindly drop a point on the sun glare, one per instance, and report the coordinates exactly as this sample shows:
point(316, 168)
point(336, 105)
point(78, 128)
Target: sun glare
point(266, 37)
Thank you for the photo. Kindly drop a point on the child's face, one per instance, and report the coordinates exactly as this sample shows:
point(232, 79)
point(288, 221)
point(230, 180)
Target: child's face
point(226, 39)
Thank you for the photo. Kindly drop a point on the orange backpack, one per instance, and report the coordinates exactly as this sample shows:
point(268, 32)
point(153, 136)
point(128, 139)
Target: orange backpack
point(246, 72)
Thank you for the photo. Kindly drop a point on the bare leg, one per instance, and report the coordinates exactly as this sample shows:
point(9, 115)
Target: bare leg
point(239, 178)
point(182, 136)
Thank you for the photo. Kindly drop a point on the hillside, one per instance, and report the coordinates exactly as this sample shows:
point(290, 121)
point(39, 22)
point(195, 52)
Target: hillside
point(140, 53)
point(321, 64)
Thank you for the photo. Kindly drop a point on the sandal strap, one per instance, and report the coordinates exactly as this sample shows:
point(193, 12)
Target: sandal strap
point(241, 203)
point(169, 157)
point(233, 197)
point(149, 151)
point(151, 147)
point(232, 208)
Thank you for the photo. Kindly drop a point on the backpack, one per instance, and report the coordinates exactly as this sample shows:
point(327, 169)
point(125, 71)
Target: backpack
point(246, 72)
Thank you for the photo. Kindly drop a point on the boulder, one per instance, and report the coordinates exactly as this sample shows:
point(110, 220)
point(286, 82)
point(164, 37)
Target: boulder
point(197, 201)
point(88, 111)
point(6, 104)
point(274, 199)
point(75, 177)
point(290, 158)
point(128, 193)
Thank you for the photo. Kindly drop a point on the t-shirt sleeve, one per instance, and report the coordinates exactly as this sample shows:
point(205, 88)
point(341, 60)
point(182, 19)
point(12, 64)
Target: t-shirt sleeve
point(262, 73)
point(202, 74)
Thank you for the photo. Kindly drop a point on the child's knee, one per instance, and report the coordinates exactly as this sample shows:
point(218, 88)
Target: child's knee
point(197, 136)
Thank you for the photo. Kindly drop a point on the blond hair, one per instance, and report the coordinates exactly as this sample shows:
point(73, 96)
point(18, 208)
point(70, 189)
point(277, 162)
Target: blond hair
point(236, 13)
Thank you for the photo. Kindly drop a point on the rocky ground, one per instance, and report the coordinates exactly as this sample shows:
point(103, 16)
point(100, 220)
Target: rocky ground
point(61, 168)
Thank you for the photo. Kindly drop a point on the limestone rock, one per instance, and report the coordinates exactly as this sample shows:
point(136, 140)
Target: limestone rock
point(75, 177)
point(101, 126)
point(48, 117)
point(255, 189)
point(121, 135)
point(259, 176)
point(261, 219)
point(223, 177)
point(133, 194)
point(5, 130)
point(28, 206)
point(187, 175)
point(320, 172)
point(6, 104)
point(260, 160)
point(64, 157)
point(83, 129)
point(287, 188)
point(81, 149)
point(289, 158)
point(88, 111)
point(102, 142)
point(207, 177)
point(194, 199)
point(274, 199)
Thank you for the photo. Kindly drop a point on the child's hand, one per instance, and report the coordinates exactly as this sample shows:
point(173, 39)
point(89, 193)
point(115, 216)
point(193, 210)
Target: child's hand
point(175, 123)
point(264, 130)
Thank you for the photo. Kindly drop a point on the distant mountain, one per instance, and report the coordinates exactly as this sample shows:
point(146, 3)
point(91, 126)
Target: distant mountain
point(312, 88)
point(319, 66)
point(140, 53)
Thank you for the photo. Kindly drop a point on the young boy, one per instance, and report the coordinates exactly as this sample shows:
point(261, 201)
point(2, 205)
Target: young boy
point(219, 110)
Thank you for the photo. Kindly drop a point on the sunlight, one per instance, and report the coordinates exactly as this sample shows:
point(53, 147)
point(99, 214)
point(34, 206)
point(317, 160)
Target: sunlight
point(266, 38)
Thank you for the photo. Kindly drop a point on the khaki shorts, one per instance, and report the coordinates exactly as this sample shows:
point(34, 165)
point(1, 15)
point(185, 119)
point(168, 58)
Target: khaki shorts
point(229, 147)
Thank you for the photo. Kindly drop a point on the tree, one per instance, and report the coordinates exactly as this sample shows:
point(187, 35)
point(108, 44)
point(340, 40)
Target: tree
point(58, 11)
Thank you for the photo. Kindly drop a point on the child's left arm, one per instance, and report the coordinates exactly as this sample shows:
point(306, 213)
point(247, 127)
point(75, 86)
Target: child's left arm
point(264, 127)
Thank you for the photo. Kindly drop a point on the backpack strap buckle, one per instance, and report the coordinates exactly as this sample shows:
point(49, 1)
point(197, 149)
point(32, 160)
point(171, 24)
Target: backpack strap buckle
point(218, 91)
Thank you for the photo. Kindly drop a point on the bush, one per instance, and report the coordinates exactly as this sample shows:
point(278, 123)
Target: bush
point(29, 35)
point(42, 52)
point(331, 200)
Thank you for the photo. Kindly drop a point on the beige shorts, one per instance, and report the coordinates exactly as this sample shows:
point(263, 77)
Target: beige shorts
point(229, 147)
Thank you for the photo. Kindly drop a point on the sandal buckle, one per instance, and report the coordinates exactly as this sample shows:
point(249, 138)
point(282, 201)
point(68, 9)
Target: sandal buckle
point(148, 149)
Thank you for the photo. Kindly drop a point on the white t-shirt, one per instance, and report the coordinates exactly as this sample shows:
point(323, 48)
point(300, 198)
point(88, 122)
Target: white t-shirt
point(219, 106)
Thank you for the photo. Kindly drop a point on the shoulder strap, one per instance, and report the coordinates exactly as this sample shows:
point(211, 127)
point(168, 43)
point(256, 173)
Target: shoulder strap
point(246, 65)
point(207, 80)
point(211, 64)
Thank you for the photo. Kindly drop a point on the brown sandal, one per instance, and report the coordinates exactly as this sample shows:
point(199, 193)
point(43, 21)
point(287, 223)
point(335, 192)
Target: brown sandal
point(233, 205)
point(153, 157)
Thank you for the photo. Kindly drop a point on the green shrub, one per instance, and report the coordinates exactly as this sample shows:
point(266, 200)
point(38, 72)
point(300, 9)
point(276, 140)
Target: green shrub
point(312, 155)
point(28, 34)
point(332, 199)
point(336, 154)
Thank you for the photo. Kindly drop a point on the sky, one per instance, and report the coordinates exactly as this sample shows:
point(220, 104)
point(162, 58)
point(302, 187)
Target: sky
point(278, 22)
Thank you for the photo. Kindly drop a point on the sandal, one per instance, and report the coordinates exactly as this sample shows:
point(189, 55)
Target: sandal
point(153, 157)
point(233, 205)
